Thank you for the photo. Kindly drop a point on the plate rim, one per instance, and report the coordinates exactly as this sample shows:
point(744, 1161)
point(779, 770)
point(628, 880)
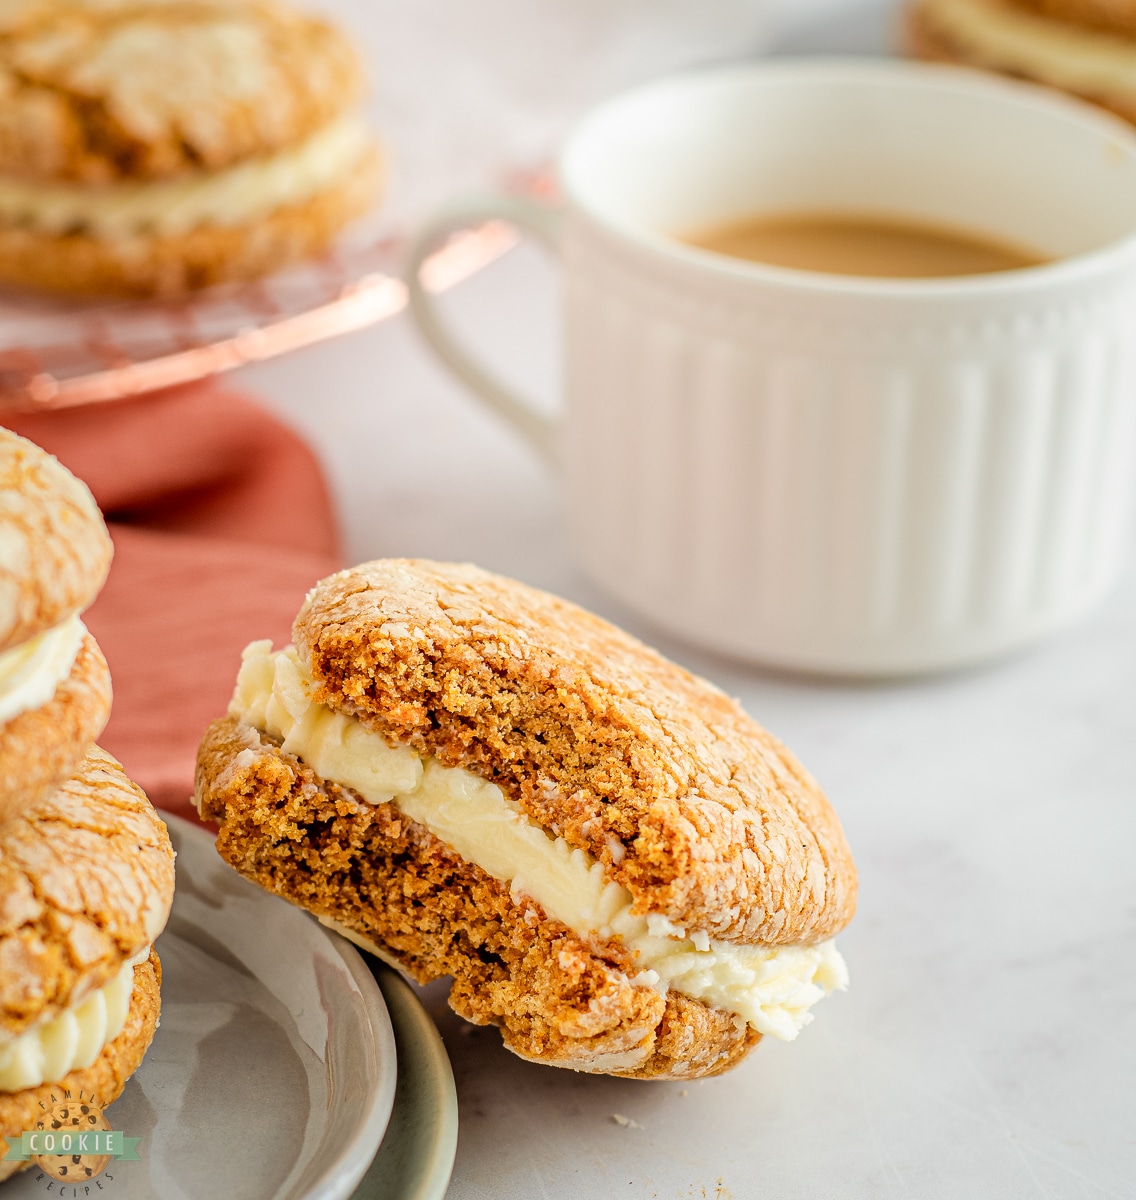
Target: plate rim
point(339, 1180)
point(423, 1051)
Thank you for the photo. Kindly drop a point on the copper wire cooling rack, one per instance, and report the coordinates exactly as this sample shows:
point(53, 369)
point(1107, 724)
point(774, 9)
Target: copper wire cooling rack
point(56, 354)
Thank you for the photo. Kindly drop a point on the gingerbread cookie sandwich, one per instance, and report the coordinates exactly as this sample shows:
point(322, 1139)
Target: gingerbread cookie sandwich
point(86, 883)
point(1085, 47)
point(54, 685)
point(149, 147)
point(616, 865)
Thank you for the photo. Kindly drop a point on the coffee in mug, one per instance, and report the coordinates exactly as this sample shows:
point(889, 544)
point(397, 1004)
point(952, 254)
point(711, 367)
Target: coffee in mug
point(881, 247)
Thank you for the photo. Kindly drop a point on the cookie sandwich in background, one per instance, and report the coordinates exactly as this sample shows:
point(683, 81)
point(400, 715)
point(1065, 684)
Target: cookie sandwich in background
point(149, 148)
point(617, 866)
point(1085, 47)
point(54, 683)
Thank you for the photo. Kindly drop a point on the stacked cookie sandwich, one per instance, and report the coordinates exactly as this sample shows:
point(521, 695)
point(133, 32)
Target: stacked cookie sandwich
point(86, 867)
point(1086, 47)
point(615, 864)
point(149, 147)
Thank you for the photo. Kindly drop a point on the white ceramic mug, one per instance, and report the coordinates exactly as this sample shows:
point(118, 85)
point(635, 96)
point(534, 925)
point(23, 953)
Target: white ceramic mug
point(845, 475)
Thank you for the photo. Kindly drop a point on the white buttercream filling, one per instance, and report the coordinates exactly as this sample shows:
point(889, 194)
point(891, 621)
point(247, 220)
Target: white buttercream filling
point(71, 1040)
point(232, 196)
point(30, 672)
point(772, 987)
point(1081, 60)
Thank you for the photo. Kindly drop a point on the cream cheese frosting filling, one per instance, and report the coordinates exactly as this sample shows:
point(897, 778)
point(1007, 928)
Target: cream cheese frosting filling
point(70, 1040)
point(1081, 60)
point(233, 196)
point(772, 987)
point(30, 672)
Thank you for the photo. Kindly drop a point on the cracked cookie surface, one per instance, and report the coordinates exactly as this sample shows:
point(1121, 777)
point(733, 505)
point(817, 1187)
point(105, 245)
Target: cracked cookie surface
point(54, 547)
point(86, 882)
point(97, 91)
point(686, 801)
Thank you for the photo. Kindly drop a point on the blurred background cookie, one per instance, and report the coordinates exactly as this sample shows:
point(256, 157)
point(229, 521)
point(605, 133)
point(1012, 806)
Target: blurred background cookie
point(54, 685)
point(86, 883)
point(1119, 16)
point(152, 148)
point(1085, 47)
point(615, 864)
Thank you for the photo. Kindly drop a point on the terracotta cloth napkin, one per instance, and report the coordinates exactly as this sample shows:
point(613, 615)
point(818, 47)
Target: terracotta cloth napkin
point(221, 521)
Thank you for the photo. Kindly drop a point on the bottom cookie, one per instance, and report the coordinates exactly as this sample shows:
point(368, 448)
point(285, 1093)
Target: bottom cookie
point(104, 1079)
point(559, 999)
point(80, 264)
point(41, 748)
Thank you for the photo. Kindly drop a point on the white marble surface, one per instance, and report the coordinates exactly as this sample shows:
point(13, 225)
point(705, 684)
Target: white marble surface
point(987, 1047)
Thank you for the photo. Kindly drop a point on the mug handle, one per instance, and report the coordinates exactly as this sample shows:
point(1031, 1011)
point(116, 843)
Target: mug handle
point(542, 222)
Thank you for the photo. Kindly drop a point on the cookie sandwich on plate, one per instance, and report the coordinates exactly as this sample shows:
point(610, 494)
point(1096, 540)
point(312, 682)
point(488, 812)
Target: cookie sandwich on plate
point(151, 148)
point(86, 883)
point(86, 866)
point(54, 683)
point(1086, 47)
point(614, 863)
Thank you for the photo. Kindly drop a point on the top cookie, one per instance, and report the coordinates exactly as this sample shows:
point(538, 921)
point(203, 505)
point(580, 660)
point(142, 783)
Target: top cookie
point(103, 90)
point(86, 882)
point(686, 801)
point(54, 548)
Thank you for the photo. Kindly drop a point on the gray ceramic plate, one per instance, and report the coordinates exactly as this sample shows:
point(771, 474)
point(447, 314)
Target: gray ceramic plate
point(417, 1155)
point(272, 1073)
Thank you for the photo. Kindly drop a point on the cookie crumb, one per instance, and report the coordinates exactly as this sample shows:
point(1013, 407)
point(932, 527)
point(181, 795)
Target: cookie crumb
point(626, 1122)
